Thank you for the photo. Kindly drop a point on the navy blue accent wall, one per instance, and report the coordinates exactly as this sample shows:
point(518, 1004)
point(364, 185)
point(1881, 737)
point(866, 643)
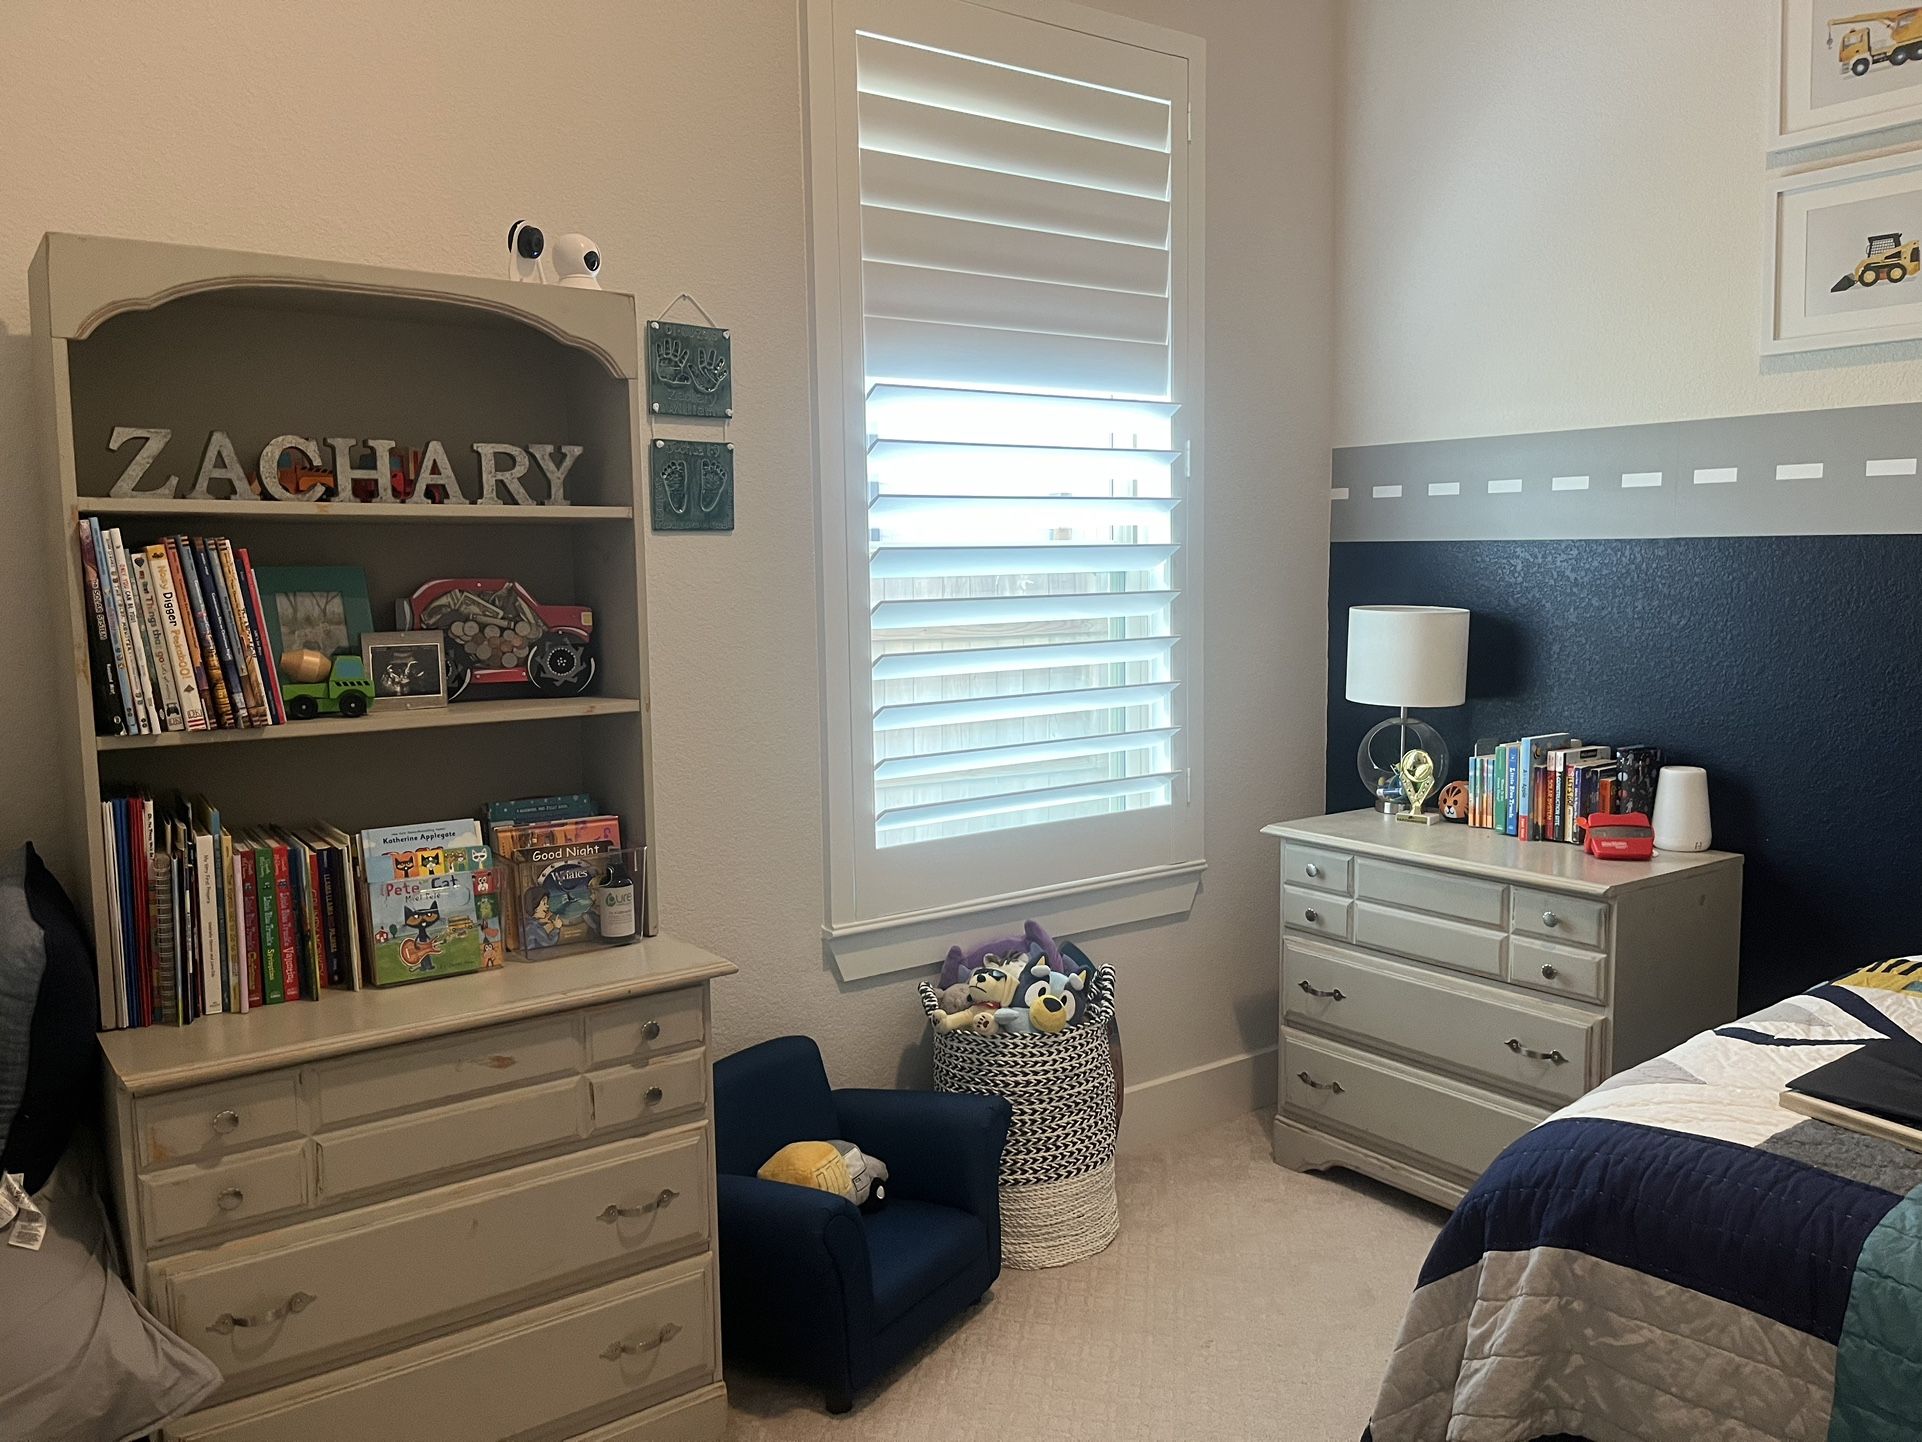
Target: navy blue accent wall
point(1789, 666)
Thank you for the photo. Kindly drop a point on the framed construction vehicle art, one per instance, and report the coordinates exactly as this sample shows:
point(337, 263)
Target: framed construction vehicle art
point(1844, 68)
point(1845, 255)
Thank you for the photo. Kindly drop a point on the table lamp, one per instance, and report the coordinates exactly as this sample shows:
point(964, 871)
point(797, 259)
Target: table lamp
point(1404, 656)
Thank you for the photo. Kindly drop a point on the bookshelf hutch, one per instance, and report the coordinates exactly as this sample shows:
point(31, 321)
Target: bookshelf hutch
point(465, 1111)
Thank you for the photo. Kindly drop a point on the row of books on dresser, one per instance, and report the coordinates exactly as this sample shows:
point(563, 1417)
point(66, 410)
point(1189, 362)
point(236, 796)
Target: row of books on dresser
point(1538, 788)
point(177, 639)
point(208, 916)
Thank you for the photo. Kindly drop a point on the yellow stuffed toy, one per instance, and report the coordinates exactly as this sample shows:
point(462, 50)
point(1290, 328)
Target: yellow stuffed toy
point(809, 1164)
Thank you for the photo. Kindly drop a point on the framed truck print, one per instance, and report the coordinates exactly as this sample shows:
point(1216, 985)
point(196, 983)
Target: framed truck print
point(1845, 68)
point(1845, 255)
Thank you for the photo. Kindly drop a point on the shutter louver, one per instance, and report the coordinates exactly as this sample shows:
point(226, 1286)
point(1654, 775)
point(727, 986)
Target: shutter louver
point(1024, 484)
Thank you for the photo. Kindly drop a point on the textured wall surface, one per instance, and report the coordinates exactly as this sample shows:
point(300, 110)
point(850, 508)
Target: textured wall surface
point(1550, 216)
point(1785, 665)
point(670, 132)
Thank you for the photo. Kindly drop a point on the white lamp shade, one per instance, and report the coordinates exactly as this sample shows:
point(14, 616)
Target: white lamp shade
point(1408, 655)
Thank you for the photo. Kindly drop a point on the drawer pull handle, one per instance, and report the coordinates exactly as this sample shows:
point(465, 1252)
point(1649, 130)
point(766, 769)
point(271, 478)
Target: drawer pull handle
point(1310, 915)
point(653, 1097)
point(225, 1323)
point(1515, 1046)
point(226, 1121)
point(613, 1212)
point(230, 1199)
point(614, 1351)
point(1312, 870)
point(1329, 1086)
point(1548, 972)
point(1332, 994)
point(1550, 919)
point(500, 1061)
point(652, 1031)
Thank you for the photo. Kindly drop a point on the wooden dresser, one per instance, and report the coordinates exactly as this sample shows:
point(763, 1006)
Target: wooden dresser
point(1443, 988)
point(472, 1209)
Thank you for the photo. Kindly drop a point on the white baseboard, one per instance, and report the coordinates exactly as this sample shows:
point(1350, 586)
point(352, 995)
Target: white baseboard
point(1217, 1091)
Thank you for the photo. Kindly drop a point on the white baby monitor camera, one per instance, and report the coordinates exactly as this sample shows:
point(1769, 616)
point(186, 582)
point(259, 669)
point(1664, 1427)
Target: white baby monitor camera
point(577, 261)
point(525, 243)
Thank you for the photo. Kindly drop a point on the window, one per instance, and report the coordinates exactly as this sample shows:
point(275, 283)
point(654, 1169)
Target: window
point(1005, 218)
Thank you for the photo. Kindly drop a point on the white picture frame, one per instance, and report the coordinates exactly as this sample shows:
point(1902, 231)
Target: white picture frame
point(1812, 105)
point(1820, 225)
point(408, 669)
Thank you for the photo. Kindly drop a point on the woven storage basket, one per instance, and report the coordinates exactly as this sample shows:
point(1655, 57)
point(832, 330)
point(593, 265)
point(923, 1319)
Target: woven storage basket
point(1057, 1171)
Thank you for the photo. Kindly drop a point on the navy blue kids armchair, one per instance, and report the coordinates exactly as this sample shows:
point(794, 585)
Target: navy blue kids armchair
point(810, 1286)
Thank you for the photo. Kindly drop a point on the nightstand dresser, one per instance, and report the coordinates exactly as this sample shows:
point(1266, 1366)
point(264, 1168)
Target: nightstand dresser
point(1444, 988)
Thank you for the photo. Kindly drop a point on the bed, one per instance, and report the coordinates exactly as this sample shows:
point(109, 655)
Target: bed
point(1676, 1258)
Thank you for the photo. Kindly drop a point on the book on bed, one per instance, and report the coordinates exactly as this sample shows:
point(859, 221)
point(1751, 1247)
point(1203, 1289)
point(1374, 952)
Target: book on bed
point(1876, 1089)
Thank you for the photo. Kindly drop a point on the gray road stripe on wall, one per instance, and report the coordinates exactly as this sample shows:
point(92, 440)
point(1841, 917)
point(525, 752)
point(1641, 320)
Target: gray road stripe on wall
point(1832, 472)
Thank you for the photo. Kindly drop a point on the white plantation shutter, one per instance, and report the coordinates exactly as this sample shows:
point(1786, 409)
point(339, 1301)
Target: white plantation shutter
point(1015, 470)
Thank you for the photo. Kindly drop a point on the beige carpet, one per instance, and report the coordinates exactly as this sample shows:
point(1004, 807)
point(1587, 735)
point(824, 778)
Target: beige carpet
point(1240, 1301)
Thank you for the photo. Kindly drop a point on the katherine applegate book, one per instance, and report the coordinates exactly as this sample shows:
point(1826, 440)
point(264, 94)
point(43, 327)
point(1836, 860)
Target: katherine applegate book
point(432, 909)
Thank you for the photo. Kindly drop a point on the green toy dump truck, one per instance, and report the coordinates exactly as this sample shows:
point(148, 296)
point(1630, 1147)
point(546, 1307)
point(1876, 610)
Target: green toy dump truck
point(345, 692)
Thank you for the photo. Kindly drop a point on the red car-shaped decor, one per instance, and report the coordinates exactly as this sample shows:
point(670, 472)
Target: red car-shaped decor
point(499, 635)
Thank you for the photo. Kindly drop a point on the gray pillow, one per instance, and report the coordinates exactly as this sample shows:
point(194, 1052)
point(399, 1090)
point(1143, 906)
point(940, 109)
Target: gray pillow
point(80, 1359)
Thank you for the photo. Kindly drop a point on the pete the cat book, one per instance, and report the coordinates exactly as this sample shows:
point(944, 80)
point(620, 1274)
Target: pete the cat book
point(431, 907)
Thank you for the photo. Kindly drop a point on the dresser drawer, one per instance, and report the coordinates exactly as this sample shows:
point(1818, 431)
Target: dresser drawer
point(1430, 938)
point(1559, 970)
point(404, 1078)
point(1466, 1027)
point(184, 1201)
point(1461, 897)
point(631, 1096)
point(423, 1144)
point(1314, 866)
point(637, 1031)
point(503, 1379)
point(1312, 911)
point(206, 1123)
point(1566, 919)
point(315, 1293)
point(697, 1414)
point(1329, 1087)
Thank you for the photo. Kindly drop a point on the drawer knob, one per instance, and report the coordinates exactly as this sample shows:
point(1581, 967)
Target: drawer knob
point(1332, 994)
point(226, 1121)
point(1514, 1045)
point(1312, 870)
point(613, 1211)
point(614, 1351)
point(654, 1095)
point(1327, 1086)
point(1311, 916)
point(1548, 972)
point(652, 1031)
point(225, 1323)
point(1550, 919)
point(230, 1199)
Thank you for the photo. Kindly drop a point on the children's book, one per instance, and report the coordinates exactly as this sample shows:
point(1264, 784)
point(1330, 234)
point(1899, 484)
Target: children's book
point(553, 896)
point(422, 918)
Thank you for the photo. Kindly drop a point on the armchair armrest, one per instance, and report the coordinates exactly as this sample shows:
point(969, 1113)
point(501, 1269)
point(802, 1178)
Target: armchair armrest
point(796, 1288)
point(939, 1146)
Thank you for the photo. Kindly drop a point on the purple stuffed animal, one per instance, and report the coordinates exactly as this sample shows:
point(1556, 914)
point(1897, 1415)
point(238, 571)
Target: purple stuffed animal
point(961, 964)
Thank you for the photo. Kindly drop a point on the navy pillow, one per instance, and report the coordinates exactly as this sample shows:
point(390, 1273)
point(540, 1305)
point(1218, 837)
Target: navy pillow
point(63, 1069)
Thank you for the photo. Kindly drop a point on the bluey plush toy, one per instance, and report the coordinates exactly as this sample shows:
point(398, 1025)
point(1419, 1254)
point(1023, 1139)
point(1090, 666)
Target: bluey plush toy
point(991, 987)
point(1052, 996)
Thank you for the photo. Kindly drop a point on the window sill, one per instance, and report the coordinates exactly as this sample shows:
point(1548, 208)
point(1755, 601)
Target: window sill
point(914, 941)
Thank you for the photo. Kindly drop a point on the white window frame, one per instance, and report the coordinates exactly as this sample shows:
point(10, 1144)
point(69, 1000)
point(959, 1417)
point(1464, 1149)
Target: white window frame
point(974, 873)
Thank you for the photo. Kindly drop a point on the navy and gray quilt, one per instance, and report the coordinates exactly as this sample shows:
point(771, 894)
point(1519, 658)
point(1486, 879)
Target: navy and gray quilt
point(1676, 1257)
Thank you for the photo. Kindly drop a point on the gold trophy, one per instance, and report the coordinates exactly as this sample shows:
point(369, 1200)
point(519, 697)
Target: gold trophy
point(1416, 770)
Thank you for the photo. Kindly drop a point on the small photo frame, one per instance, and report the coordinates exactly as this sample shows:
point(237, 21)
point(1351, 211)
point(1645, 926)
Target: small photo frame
point(1842, 71)
point(408, 668)
point(1845, 255)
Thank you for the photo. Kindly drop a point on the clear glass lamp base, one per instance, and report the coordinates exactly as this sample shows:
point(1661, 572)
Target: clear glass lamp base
point(1385, 744)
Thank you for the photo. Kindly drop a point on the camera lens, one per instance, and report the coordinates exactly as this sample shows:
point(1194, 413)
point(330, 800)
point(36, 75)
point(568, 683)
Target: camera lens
point(592, 260)
point(529, 242)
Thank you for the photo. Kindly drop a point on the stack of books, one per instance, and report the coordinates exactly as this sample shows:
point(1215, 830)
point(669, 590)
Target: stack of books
point(1536, 789)
point(176, 638)
point(208, 917)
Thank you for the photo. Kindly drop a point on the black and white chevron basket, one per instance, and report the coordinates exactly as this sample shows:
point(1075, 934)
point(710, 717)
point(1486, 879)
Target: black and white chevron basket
point(1057, 1171)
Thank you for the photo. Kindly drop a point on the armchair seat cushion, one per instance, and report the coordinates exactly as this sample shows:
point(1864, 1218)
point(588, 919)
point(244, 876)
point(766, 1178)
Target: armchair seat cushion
point(916, 1247)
